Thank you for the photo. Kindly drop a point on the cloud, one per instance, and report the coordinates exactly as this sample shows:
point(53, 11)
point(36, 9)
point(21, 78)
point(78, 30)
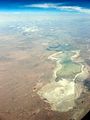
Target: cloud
point(59, 6)
point(75, 8)
point(45, 5)
point(30, 29)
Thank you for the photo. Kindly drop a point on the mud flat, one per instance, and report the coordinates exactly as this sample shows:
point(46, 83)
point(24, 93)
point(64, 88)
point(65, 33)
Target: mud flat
point(67, 81)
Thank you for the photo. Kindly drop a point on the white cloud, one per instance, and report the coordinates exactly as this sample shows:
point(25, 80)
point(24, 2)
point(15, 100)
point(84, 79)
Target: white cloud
point(31, 29)
point(45, 5)
point(75, 8)
point(59, 6)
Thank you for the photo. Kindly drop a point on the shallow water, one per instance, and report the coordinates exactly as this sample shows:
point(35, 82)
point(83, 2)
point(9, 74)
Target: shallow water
point(63, 91)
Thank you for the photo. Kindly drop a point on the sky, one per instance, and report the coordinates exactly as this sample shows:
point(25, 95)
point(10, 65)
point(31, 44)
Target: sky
point(59, 5)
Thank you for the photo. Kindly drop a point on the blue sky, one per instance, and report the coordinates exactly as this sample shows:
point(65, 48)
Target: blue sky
point(63, 5)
